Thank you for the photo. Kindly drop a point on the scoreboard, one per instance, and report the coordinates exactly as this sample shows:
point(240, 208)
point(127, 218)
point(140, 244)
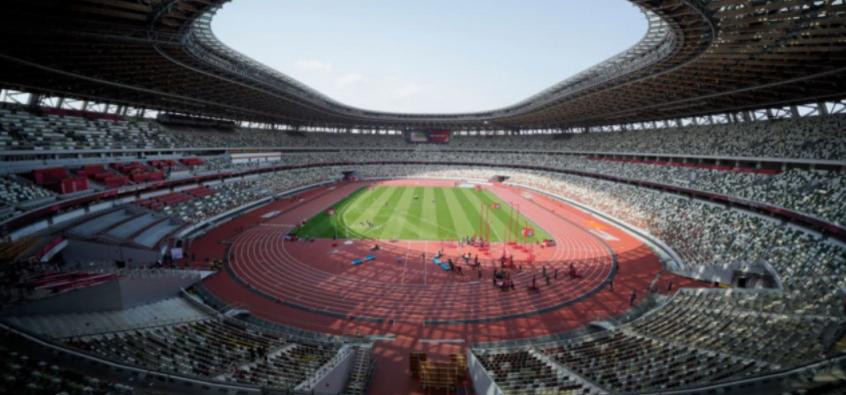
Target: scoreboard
point(427, 136)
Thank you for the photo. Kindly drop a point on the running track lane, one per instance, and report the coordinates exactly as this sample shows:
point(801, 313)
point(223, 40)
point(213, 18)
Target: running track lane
point(638, 268)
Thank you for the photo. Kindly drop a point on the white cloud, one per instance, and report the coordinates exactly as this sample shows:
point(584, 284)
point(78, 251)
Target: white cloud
point(349, 79)
point(407, 89)
point(312, 65)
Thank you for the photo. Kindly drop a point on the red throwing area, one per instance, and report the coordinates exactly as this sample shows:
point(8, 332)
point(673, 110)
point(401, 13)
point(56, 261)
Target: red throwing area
point(589, 274)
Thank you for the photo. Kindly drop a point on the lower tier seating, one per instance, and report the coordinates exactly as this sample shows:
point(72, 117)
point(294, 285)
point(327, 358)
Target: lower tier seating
point(26, 373)
point(700, 336)
point(214, 349)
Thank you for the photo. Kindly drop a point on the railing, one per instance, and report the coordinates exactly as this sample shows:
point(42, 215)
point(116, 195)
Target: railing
point(150, 273)
point(142, 153)
point(343, 354)
point(482, 381)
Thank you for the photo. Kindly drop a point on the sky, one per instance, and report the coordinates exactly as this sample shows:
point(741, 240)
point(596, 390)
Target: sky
point(429, 56)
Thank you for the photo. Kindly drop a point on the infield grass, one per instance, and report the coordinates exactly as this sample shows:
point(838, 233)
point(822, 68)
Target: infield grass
point(418, 213)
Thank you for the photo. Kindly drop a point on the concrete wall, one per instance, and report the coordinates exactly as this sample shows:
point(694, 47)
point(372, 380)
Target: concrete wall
point(137, 291)
point(82, 252)
point(123, 293)
point(335, 381)
point(102, 297)
point(29, 229)
point(483, 384)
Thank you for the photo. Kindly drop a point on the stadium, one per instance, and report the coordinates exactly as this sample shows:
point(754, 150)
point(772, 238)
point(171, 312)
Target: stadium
point(177, 217)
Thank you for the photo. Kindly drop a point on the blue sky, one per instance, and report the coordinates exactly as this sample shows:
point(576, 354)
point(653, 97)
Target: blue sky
point(433, 55)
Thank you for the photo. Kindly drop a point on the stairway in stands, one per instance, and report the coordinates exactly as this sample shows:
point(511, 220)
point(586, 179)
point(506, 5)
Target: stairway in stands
point(360, 371)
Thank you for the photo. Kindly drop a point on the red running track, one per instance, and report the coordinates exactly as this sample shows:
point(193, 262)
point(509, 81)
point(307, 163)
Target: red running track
point(313, 285)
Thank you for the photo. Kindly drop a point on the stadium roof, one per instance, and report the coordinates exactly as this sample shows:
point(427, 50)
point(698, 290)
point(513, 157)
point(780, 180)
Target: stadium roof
point(698, 57)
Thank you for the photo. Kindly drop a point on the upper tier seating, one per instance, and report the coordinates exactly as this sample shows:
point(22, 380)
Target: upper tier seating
point(813, 137)
point(809, 138)
point(20, 129)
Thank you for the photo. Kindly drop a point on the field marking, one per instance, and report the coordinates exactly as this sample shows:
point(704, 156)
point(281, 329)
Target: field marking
point(402, 218)
point(393, 227)
point(354, 206)
point(461, 216)
point(444, 216)
point(416, 210)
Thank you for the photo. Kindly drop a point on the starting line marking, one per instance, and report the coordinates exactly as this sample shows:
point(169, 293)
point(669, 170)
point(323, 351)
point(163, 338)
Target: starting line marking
point(603, 235)
point(387, 337)
point(271, 214)
point(278, 225)
point(436, 341)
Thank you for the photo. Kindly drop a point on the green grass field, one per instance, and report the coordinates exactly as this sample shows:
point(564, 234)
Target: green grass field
point(414, 213)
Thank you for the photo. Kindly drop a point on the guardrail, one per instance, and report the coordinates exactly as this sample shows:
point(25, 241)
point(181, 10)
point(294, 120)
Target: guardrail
point(153, 153)
point(342, 356)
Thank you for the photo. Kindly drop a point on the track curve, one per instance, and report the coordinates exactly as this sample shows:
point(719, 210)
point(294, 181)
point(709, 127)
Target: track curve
point(400, 285)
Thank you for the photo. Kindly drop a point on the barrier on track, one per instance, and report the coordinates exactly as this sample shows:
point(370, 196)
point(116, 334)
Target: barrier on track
point(441, 263)
point(359, 261)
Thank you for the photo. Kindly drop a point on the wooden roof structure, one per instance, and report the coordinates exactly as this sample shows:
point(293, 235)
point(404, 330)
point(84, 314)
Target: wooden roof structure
point(698, 57)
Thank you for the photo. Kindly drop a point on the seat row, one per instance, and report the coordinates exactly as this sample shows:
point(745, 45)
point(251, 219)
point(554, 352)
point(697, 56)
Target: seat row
point(214, 349)
point(700, 336)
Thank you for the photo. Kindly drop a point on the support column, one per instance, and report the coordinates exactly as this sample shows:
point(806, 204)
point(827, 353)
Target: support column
point(34, 100)
point(823, 110)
